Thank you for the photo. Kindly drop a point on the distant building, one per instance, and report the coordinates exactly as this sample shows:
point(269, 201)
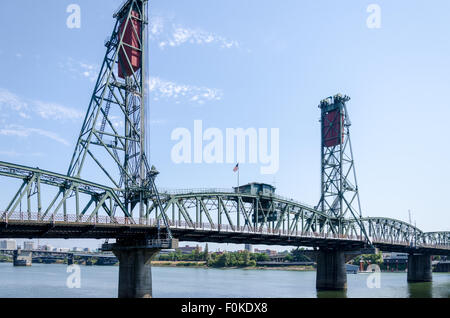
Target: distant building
point(48, 248)
point(256, 188)
point(249, 248)
point(393, 260)
point(8, 245)
point(166, 252)
point(28, 246)
point(77, 249)
point(395, 256)
point(189, 249)
point(268, 252)
point(87, 249)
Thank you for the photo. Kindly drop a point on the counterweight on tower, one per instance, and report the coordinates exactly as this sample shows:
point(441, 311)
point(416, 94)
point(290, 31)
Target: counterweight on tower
point(112, 141)
point(339, 188)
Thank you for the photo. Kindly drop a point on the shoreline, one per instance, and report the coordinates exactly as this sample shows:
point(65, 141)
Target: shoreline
point(194, 264)
point(187, 264)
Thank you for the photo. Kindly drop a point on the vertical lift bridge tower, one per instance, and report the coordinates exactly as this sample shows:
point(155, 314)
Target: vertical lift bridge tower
point(104, 148)
point(339, 189)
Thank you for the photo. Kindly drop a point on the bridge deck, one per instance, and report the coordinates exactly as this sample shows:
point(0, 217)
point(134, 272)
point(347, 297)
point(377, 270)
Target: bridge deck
point(202, 233)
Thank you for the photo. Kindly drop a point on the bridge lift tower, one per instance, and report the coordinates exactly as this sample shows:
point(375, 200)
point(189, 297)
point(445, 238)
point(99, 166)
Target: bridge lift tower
point(339, 189)
point(104, 146)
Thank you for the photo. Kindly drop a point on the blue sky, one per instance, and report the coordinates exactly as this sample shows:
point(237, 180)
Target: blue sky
point(262, 64)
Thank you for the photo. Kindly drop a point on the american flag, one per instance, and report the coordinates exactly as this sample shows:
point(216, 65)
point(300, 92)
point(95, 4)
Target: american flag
point(236, 168)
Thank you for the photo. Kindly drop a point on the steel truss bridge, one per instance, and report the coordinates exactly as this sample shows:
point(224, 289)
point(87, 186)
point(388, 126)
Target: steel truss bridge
point(125, 204)
point(76, 208)
point(128, 205)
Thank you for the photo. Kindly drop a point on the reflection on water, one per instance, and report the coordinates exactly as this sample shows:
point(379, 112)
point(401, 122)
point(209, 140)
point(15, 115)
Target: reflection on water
point(420, 290)
point(49, 281)
point(332, 294)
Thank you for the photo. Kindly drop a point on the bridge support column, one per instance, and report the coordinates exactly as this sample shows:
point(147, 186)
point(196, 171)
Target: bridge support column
point(70, 259)
point(135, 272)
point(21, 258)
point(419, 268)
point(331, 271)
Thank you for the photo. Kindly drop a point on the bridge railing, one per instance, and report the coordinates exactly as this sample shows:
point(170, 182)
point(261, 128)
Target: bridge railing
point(195, 191)
point(69, 218)
point(149, 222)
point(105, 219)
point(261, 230)
point(410, 244)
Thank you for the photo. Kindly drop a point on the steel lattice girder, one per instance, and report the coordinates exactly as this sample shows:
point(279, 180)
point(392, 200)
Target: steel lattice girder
point(127, 96)
point(242, 210)
point(222, 211)
point(390, 230)
point(123, 91)
point(339, 189)
point(436, 238)
point(67, 188)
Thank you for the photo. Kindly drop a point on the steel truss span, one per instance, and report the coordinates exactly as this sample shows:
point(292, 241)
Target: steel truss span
point(205, 215)
point(125, 202)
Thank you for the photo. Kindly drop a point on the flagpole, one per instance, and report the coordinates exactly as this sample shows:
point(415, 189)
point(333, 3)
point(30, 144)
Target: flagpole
point(238, 178)
point(236, 169)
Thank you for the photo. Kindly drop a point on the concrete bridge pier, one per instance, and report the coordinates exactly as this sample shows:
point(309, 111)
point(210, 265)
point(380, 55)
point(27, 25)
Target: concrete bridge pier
point(70, 259)
point(331, 270)
point(22, 258)
point(419, 268)
point(135, 273)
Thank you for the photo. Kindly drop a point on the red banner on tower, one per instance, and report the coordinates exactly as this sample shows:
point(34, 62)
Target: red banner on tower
point(333, 128)
point(131, 47)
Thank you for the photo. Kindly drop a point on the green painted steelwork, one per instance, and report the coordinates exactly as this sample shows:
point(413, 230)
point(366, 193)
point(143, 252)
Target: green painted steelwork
point(339, 187)
point(80, 206)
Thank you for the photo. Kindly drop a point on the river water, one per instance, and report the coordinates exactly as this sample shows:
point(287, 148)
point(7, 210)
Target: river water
point(50, 281)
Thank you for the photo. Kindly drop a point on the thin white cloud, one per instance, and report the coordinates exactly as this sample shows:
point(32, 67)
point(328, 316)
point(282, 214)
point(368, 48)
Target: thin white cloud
point(167, 34)
point(25, 108)
point(56, 111)
point(13, 153)
point(20, 131)
point(181, 35)
point(80, 69)
point(156, 26)
point(8, 99)
point(161, 89)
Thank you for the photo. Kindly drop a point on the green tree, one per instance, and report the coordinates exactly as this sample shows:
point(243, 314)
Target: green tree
point(299, 256)
point(252, 263)
point(372, 258)
point(206, 253)
point(246, 258)
point(222, 260)
point(260, 257)
point(289, 258)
